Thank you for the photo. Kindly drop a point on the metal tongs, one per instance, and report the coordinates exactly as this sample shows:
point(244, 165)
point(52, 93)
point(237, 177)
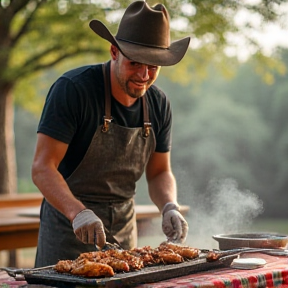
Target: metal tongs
point(18, 273)
point(229, 254)
point(111, 244)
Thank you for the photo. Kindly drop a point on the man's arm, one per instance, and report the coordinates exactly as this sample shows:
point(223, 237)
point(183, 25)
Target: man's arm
point(160, 179)
point(163, 192)
point(49, 153)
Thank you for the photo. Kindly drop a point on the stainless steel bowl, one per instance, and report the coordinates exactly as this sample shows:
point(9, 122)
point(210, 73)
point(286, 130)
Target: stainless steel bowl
point(251, 240)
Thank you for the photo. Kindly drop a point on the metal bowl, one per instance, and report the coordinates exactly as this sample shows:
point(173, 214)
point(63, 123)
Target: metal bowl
point(251, 240)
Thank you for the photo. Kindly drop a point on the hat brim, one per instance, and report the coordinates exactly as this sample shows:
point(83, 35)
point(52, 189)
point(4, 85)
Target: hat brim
point(144, 54)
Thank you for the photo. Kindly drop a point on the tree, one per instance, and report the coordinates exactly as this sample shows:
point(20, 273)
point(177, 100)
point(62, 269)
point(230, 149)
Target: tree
point(38, 34)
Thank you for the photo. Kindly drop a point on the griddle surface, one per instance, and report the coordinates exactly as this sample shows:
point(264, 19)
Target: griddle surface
point(145, 275)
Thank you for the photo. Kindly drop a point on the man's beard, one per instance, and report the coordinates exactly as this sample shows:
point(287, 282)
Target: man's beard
point(124, 84)
point(134, 93)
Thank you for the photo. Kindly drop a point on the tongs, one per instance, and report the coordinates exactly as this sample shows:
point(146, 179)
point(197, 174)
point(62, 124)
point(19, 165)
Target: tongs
point(109, 246)
point(228, 254)
point(18, 273)
point(111, 243)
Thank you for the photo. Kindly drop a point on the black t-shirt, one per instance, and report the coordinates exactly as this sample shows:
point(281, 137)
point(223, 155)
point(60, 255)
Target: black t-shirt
point(74, 108)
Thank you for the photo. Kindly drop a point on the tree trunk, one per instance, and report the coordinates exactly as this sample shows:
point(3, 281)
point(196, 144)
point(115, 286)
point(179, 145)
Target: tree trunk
point(8, 171)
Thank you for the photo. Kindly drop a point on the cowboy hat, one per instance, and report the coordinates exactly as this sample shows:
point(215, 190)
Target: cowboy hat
point(144, 35)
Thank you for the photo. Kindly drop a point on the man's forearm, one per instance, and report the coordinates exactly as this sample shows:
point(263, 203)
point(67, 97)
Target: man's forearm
point(162, 189)
point(56, 191)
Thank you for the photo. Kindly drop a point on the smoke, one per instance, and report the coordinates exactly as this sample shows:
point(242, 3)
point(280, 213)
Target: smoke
point(222, 209)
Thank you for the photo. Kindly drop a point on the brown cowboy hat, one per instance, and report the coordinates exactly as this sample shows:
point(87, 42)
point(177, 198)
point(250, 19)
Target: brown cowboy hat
point(144, 35)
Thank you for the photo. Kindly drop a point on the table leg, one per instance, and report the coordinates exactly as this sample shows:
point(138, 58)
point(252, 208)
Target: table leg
point(12, 260)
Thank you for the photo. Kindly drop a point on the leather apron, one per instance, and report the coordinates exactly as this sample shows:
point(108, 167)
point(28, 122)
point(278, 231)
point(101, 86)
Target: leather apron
point(105, 181)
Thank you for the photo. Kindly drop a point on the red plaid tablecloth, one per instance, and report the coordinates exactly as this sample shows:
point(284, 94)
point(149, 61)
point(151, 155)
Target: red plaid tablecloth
point(9, 282)
point(273, 274)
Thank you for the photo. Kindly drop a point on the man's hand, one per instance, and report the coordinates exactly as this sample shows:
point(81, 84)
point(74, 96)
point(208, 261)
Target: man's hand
point(89, 228)
point(174, 225)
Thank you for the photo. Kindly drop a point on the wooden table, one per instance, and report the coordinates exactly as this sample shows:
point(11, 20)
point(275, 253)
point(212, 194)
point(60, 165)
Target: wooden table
point(17, 231)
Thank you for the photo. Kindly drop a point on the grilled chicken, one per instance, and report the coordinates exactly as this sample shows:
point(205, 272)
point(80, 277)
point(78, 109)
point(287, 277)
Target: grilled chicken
point(106, 263)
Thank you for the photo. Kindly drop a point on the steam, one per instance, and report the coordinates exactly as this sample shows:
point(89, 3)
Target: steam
point(222, 209)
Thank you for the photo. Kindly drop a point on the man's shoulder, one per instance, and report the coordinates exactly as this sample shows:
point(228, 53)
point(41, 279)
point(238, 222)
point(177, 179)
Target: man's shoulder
point(83, 72)
point(156, 96)
point(155, 91)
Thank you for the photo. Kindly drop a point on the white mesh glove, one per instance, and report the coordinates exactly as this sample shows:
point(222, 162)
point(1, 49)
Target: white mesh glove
point(89, 228)
point(174, 225)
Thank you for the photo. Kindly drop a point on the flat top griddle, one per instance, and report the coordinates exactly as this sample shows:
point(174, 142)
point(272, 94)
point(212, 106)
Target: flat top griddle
point(129, 279)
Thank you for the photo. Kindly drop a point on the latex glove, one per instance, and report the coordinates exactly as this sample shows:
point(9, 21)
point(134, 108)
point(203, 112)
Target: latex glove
point(89, 228)
point(174, 225)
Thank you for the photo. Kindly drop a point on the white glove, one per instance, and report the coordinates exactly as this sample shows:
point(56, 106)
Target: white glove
point(89, 228)
point(174, 225)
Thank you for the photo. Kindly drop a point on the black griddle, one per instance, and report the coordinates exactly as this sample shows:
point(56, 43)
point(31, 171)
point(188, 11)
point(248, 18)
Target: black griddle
point(129, 279)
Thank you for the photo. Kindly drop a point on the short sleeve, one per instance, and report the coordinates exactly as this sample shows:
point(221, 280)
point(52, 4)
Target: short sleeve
point(61, 110)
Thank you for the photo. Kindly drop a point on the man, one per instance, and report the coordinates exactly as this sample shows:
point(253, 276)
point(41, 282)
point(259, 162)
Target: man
point(101, 127)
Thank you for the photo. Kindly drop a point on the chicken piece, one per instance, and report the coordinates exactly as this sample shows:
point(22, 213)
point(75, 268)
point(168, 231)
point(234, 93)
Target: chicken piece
point(146, 255)
point(88, 268)
point(185, 251)
point(167, 257)
point(92, 256)
point(116, 264)
point(63, 266)
point(160, 255)
point(141, 250)
point(134, 262)
point(212, 256)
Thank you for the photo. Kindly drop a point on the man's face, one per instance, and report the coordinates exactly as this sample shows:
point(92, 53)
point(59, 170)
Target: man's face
point(134, 78)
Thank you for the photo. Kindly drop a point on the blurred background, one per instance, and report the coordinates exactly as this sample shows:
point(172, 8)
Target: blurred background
point(229, 98)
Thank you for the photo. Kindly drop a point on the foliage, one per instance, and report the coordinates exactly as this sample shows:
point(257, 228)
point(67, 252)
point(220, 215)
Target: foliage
point(47, 32)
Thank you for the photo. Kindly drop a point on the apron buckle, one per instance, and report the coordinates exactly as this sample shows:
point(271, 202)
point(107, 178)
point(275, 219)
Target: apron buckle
point(147, 126)
point(105, 126)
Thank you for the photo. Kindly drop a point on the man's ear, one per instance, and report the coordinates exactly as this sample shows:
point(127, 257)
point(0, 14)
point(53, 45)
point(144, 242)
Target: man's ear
point(114, 52)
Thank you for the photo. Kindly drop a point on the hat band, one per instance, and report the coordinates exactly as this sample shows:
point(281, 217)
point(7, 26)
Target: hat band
point(142, 44)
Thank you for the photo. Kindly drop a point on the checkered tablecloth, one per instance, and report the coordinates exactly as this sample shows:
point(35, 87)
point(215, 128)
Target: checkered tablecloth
point(273, 274)
point(9, 282)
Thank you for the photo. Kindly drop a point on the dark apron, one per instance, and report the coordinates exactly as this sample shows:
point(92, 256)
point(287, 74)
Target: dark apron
point(105, 181)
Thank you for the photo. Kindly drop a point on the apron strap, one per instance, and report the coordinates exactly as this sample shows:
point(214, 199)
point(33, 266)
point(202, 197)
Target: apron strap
point(108, 118)
point(147, 124)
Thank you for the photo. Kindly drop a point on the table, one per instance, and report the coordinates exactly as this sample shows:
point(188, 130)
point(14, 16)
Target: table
point(273, 274)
